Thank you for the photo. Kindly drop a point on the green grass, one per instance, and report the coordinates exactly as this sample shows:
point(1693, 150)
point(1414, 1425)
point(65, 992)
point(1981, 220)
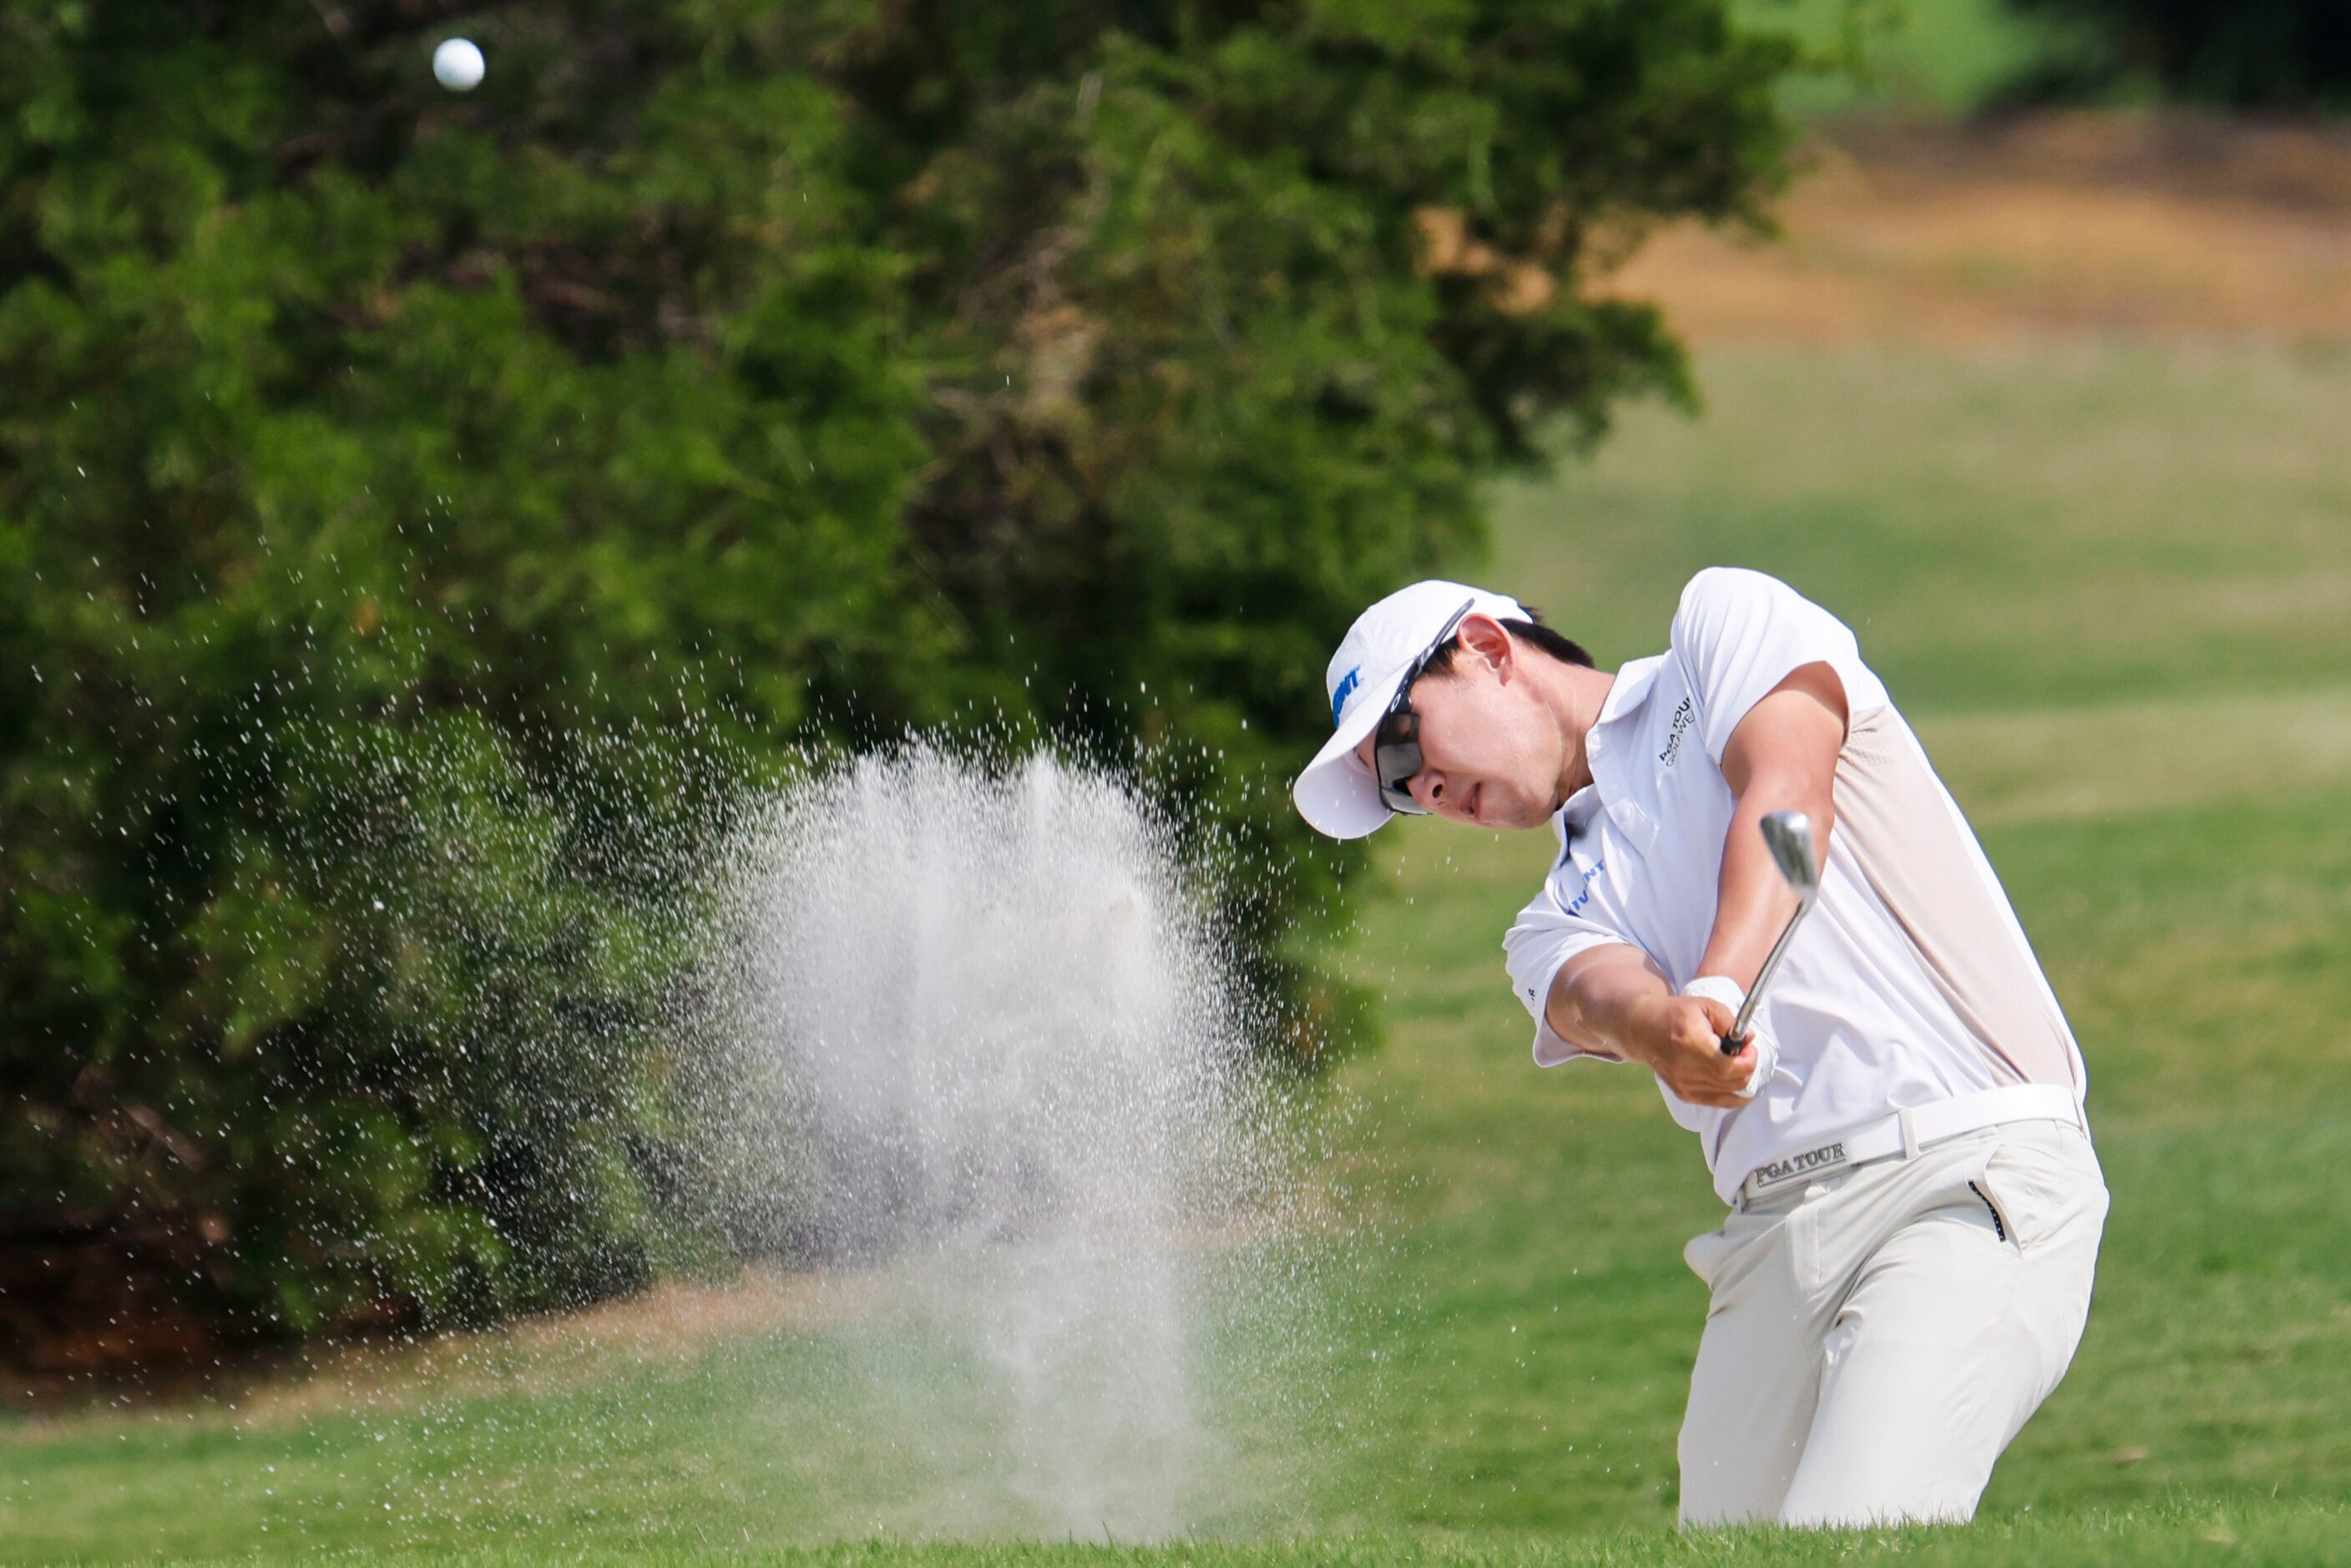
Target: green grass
point(2051, 527)
point(2110, 587)
point(2157, 1537)
point(1924, 57)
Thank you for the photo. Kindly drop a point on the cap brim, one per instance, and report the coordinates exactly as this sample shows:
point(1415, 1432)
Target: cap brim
point(1337, 794)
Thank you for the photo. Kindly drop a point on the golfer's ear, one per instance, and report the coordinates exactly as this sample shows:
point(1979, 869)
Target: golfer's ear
point(1483, 635)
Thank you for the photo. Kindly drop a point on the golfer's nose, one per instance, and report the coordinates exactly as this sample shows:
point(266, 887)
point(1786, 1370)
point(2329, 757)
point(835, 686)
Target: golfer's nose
point(1427, 786)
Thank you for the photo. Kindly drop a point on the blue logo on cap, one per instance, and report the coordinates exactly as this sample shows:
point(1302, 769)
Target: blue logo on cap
point(1347, 684)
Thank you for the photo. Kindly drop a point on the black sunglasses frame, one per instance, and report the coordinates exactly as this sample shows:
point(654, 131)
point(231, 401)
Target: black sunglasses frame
point(1396, 750)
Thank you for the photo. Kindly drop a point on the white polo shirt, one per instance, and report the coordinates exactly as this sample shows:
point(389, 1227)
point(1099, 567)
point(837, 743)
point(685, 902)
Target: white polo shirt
point(1910, 982)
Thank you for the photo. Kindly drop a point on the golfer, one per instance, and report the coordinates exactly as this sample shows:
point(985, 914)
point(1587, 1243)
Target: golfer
point(1915, 1205)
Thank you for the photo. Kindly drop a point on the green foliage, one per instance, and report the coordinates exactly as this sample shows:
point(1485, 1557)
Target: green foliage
point(2243, 54)
point(436, 501)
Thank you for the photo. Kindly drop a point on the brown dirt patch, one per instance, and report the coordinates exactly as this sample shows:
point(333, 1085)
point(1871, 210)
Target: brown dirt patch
point(2050, 224)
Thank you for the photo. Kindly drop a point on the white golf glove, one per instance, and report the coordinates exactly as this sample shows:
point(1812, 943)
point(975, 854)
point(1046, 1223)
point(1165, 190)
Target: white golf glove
point(1732, 994)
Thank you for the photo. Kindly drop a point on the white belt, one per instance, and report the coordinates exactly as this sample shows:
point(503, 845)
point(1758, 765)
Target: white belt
point(1908, 1130)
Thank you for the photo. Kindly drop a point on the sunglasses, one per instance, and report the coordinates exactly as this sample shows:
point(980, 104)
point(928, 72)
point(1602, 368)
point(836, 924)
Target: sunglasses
point(1395, 751)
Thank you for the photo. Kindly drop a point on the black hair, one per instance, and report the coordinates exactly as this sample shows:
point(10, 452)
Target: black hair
point(1532, 631)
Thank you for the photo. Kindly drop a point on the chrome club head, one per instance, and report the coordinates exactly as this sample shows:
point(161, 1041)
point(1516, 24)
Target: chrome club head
point(1788, 835)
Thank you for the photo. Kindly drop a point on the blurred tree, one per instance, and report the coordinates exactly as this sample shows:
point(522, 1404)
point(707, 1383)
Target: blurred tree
point(419, 508)
point(2244, 53)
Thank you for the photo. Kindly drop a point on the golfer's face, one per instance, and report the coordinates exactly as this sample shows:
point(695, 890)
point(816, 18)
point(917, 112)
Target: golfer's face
point(1481, 744)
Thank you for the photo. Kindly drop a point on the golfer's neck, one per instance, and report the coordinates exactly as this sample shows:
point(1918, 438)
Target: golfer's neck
point(1575, 695)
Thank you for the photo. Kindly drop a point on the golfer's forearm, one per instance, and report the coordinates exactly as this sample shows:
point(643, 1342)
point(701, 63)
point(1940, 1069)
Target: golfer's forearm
point(1596, 998)
point(1752, 899)
point(1783, 756)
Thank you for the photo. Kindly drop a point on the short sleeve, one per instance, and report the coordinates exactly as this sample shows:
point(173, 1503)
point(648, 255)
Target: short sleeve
point(1544, 937)
point(1739, 633)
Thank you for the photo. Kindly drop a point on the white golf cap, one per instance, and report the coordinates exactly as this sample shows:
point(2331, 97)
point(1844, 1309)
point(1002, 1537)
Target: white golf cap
point(1337, 794)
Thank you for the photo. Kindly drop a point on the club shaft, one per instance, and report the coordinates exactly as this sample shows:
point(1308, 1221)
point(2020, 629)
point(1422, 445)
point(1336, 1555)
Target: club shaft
point(1738, 1035)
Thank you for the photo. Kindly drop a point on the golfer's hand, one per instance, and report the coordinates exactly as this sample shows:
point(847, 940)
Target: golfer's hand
point(1680, 1037)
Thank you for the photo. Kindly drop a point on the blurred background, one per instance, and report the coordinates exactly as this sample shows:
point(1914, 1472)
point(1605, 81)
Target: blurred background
point(434, 520)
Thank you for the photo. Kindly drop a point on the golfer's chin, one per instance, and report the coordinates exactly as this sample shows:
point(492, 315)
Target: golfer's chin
point(1512, 810)
point(1521, 814)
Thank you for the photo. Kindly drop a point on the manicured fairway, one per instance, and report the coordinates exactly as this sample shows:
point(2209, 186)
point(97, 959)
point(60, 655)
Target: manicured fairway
point(2158, 1537)
point(2112, 585)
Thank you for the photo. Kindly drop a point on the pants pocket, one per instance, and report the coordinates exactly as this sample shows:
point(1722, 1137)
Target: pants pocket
point(1725, 1260)
point(2038, 1179)
point(1704, 1254)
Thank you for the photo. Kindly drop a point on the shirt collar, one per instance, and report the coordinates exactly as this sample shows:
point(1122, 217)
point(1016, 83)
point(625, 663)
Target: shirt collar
point(1626, 695)
point(1630, 689)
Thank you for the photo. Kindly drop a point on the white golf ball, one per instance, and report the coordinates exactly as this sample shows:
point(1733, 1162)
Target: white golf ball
point(458, 65)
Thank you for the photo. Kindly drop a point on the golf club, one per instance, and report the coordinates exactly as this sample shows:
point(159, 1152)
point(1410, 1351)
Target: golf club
point(1788, 835)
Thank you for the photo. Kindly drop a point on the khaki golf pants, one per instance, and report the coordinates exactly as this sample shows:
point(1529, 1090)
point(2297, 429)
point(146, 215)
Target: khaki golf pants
point(1877, 1336)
